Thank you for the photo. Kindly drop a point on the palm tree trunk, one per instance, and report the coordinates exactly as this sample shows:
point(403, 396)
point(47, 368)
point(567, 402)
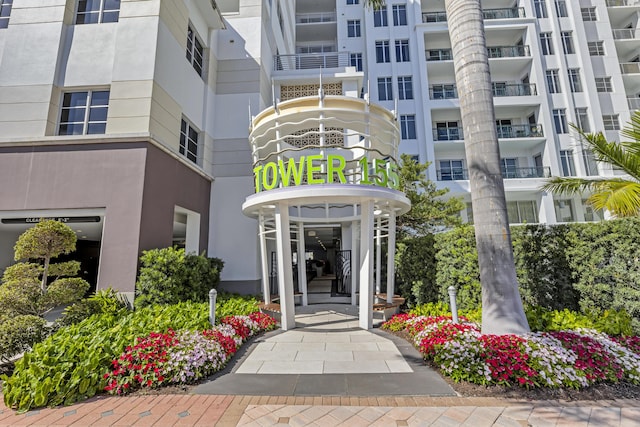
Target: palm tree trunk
point(502, 310)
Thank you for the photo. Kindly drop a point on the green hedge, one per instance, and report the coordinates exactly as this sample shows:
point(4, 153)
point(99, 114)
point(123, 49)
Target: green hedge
point(590, 267)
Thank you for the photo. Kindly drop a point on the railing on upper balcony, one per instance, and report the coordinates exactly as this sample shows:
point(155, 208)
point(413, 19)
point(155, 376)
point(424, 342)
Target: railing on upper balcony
point(315, 18)
point(455, 174)
point(630, 67)
point(311, 61)
point(624, 34)
point(507, 51)
point(492, 52)
point(634, 103)
point(614, 3)
point(503, 13)
point(511, 89)
point(503, 131)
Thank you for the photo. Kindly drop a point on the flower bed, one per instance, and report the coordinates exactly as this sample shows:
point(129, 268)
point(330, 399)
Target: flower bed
point(182, 357)
point(574, 359)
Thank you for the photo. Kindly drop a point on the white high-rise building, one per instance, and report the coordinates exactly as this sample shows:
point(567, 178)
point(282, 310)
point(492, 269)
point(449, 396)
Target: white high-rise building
point(130, 119)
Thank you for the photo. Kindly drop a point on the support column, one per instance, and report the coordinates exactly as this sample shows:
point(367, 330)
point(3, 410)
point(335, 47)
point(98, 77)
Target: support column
point(285, 273)
point(391, 255)
point(366, 266)
point(378, 255)
point(266, 292)
point(354, 254)
point(302, 265)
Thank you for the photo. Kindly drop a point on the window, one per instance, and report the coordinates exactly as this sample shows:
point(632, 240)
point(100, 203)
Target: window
point(5, 12)
point(541, 8)
point(564, 210)
point(560, 120)
point(399, 14)
point(566, 162)
point(405, 87)
point(588, 14)
point(524, 211)
point(189, 136)
point(590, 164)
point(353, 1)
point(546, 43)
point(451, 170)
point(380, 17)
point(582, 119)
point(382, 51)
point(611, 122)
point(509, 167)
point(561, 8)
point(574, 79)
point(353, 28)
point(448, 131)
point(84, 113)
point(408, 126)
point(567, 42)
point(603, 84)
point(596, 48)
point(97, 11)
point(591, 214)
point(355, 59)
point(385, 89)
point(402, 51)
point(443, 91)
point(553, 83)
point(195, 51)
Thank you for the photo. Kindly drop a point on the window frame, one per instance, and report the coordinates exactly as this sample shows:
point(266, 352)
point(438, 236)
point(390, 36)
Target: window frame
point(561, 9)
point(195, 46)
point(560, 120)
point(567, 163)
point(399, 13)
point(546, 43)
point(355, 59)
point(454, 172)
point(353, 28)
point(520, 211)
point(385, 89)
point(186, 128)
point(582, 119)
point(575, 81)
point(540, 8)
point(402, 50)
point(101, 13)
point(88, 108)
point(603, 84)
point(405, 87)
point(383, 52)
point(567, 42)
point(553, 78)
point(611, 122)
point(352, 2)
point(408, 126)
point(596, 48)
point(589, 14)
point(380, 18)
point(5, 13)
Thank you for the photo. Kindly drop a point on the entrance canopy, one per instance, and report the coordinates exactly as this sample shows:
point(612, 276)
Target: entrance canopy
point(325, 160)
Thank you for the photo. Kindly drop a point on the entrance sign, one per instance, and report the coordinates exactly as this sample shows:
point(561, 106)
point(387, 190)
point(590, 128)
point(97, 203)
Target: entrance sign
point(65, 219)
point(319, 169)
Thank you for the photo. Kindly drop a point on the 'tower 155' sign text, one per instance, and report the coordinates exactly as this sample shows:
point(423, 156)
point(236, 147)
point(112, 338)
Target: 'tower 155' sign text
point(319, 169)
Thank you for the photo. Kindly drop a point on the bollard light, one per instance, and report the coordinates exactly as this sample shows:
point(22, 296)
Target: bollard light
point(212, 306)
point(452, 301)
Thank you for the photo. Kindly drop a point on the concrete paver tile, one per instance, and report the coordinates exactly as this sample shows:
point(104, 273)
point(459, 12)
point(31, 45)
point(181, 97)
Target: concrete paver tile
point(298, 346)
point(289, 336)
point(518, 412)
point(371, 366)
point(273, 355)
point(545, 415)
point(314, 413)
point(459, 413)
point(386, 345)
point(343, 413)
point(377, 355)
point(426, 415)
point(249, 366)
point(290, 410)
point(503, 421)
point(629, 416)
point(264, 346)
point(398, 366)
point(605, 416)
point(483, 416)
point(371, 413)
point(345, 356)
point(351, 346)
point(291, 367)
point(574, 416)
point(368, 338)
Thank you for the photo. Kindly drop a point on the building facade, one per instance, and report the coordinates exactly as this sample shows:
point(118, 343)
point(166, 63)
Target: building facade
point(131, 119)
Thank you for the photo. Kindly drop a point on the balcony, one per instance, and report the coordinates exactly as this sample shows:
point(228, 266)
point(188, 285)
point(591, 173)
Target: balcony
point(450, 91)
point(315, 18)
point(630, 68)
point(617, 3)
point(634, 103)
point(503, 131)
point(311, 61)
point(447, 91)
point(456, 174)
point(492, 52)
point(503, 13)
point(624, 34)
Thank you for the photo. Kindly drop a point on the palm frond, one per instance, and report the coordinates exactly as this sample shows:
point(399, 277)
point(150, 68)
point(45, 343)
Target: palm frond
point(375, 4)
point(621, 198)
point(571, 185)
point(615, 153)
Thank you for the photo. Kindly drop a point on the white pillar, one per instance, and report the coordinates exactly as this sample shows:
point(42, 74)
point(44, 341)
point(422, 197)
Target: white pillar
point(378, 255)
point(354, 264)
point(391, 254)
point(266, 292)
point(302, 265)
point(285, 274)
point(366, 265)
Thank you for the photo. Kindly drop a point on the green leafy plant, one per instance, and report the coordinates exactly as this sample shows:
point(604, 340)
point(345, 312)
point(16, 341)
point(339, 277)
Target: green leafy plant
point(104, 301)
point(18, 334)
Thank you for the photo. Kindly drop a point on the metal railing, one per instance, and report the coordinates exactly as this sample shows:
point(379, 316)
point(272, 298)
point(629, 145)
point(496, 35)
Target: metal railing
point(630, 67)
point(507, 51)
point(448, 134)
point(315, 18)
point(624, 34)
point(614, 3)
point(454, 174)
point(634, 103)
point(502, 13)
point(439, 54)
point(311, 61)
point(519, 131)
point(450, 91)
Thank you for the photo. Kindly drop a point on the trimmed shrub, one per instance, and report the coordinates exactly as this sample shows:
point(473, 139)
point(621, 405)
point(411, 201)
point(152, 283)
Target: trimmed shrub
point(415, 271)
point(19, 334)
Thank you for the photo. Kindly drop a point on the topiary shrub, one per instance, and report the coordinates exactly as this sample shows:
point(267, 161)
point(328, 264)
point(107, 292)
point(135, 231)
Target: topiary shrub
point(18, 334)
point(168, 276)
point(415, 270)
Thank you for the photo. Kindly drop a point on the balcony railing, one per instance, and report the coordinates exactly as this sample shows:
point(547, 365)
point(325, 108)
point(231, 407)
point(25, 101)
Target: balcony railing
point(624, 34)
point(630, 67)
point(455, 174)
point(311, 61)
point(503, 131)
point(503, 13)
point(634, 103)
point(507, 51)
point(492, 52)
point(499, 90)
point(614, 3)
point(315, 18)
